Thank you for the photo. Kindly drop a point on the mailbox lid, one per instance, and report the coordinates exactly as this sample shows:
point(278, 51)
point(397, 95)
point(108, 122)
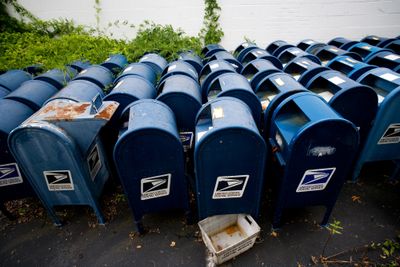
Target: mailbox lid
point(179, 67)
point(155, 61)
point(260, 53)
point(79, 65)
point(225, 55)
point(193, 59)
point(394, 46)
point(385, 59)
point(12, 79)
point(349, 66)
point(329, 52)
point(210, 49)
point(99, 75)
point(276, 47)
point(306, 43)
point(342, 43)
point(56, 77)
point(365, 50)
point(115, 63)
point(303, 69)
point(139, 69)
point(242, 49)
point(258, 69)
point(294, 52)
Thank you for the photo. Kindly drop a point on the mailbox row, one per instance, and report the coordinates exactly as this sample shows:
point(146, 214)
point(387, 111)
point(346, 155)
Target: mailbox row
point(238, 113)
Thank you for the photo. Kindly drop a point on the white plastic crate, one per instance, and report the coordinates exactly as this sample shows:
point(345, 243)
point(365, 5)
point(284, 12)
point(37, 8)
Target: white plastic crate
point(227, 236)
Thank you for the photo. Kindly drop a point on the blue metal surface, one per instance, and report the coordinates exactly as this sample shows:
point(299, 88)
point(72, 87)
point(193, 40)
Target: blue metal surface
point(237, 86)
point(193, 59)
point(209, 72)
point(150, 160)
point(97, 75)
point(183, 96)
point(225, 55)
point(303, 69)
point(79, 65)
point(33, 93)
point(342, 43)
point(155, 61)
point(78, 91)
point(394, 46)
point(377, 41)
point(383, 141)
point(385, 59)
point(140, 69)
point(3, 91)
point(258, 69)
point(179, 67)
point(13, 184)
point(242, 49)
point(276, 47)
point(329, 52)
point(306, 43)
point(341, 92)
point(260, 53)
point(365, 50)
point(229, 159)
point(291, 53)
point(12, 79)
point(349, 66)
point(56, 77)
point(64, 165)
point(314, 148)
point(115, 63)
point(210, 49)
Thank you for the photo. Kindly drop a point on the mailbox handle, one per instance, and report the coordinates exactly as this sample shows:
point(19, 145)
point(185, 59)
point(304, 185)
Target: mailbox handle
point(276, 151)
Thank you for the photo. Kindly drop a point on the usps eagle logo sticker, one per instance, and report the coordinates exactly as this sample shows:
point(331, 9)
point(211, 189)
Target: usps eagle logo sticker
point(10, 174)
point(59, 180)
point(230, 186)
point(155, 186)
point(315, 180)
point(391, 135)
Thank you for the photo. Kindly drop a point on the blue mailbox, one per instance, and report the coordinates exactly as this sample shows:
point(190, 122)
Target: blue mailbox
point(366, 50)
point(394, 46)
point(13, 184)
point(34, 69)
point(309, 44)
point(33, 93)
point(385, 59)
point(237, 86)
point(179, 67)
point(303, 69)
point(183, 96)
point(276, 47)
point(210, 49)
point(139, 69)
point(314, 148)
point(155, 61)
point(56, 77)
point(260, 53)
point(383, 140)
point(64, 165)
point(210, 71)
point(115, 63)
point(342, 43)
point(329, 52)
point(349, 66)
point(229, 159)
point(225, 55)
point(3, 91)
point(291, 53)
point(79, 65)
point(341, 92)
point(191, 58)
point(12, 79)
point(150, 160)
point(257, 69)
point(99, 75)
point(377, 41)
point(242, 49)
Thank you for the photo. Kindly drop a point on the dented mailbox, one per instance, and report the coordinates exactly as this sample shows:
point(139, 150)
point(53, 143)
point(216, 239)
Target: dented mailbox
point(314, 149)
point(150, 160)
point(229, 159)
point(64, 165)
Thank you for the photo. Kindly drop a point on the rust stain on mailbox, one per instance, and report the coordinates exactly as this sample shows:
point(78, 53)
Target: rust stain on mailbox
point(107, 112)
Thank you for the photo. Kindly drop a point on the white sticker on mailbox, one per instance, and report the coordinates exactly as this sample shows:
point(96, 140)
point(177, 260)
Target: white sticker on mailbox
point(336, 80)
point(10, 174)
point(392, 57)
point(59, 180)
point(94, 161)
point(155, 186)
point(315, 180)
point(389, 76)
point(230, 186)
point(391, 135)
point(186, 139)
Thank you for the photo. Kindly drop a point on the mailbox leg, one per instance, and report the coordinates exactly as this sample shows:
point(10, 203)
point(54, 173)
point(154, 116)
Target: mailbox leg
point(139, 226)
point(396, 173)
point(96, 207)
point(53, 215)
point(327, 215)
point(276, 221)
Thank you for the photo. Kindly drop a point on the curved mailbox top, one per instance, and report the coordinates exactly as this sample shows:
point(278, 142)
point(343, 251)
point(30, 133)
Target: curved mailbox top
point(225, 55)
point(315, 47)
point(385, 59)
point(257, 69)
point(139, 69)
point(349, 66)
point(243, 48)
point(394, 46)
point(3, 91)
point(115, 63)
point(17, 113)
point(303, 69)
point(179, 67)
point(210, 49)
point(192, 59)
point(291, 53)
point(260, 53)
point(57, 77)
point(12, 79)
point(306, 43)
point(276, 47)
point(365, 50)
point(98, 75)
point(377, 41)
point(155, 61)
point(342, 43)
point(329, 52)
point(79, 65)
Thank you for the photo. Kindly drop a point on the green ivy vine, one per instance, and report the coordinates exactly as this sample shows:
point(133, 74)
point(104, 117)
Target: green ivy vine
point(211, 32)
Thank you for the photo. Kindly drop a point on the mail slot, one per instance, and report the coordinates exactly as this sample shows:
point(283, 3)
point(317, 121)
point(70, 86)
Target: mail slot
point(309, 45)
point(229, 159)
point(34, 69)
point(258, 69)
point(56, 77)
point(225, 55)
point(64, 163)
point(349, 66)
point(291, 53)
point(179, 67)
point(242, 49)
point(394, 46)
point(314, 148)
point(150, 160)
point(303, 69)
point(385, 59)
point(383, 140)
point(115, 63)
point(155, 61)
point(341, 92)
point(193, 59)
point(260, 53)
point(377, 41)
point(139, 69)
point(13, 79)
point(13, 184)
point(275, 48)
point(79, 65)
point(209, 72)
point(342, 43)
point(33, 93)
point(182, 95)
point(329, 52)
point(366, 50)
point(99, 75)
point(211, 49)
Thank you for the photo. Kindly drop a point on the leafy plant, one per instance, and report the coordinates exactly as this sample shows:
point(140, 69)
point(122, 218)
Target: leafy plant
point(211, 31)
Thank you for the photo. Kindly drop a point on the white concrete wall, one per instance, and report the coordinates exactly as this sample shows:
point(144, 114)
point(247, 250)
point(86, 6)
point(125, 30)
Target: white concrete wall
point(261, 20)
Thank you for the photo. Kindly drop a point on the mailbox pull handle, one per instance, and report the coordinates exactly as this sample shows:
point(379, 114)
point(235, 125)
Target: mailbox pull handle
point(276, 151)
point(248, 220)
point(96, 104)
